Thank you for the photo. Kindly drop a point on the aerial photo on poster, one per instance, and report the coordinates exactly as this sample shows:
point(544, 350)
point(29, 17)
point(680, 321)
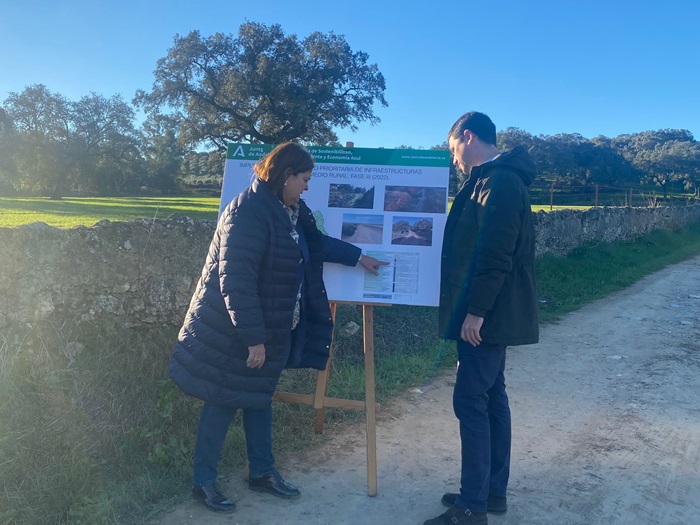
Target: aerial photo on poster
point(415, 198)
point(350, 196)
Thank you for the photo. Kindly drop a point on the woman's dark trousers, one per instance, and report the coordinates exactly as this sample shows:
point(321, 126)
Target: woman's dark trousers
point(214, 422)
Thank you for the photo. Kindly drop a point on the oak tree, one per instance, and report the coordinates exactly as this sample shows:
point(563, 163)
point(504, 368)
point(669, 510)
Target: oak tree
point(264, 86)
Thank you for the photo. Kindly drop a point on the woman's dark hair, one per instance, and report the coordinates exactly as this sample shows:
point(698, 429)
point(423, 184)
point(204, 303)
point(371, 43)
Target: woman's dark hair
point(281, 163)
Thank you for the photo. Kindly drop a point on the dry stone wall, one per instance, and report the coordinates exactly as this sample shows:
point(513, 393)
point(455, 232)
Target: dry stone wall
point(559, 232)
point(110, 280)
point(60, 287)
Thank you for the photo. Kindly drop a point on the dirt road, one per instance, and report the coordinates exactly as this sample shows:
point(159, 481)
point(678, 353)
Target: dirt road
point(606, 421)
point(365, 233)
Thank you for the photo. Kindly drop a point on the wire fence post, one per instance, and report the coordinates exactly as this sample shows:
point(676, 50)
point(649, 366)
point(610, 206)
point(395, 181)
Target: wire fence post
point(551, 196)
point(599, 195)
point(596, 195)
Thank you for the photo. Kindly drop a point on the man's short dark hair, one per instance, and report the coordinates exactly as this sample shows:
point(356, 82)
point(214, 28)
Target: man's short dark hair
point(477, 123)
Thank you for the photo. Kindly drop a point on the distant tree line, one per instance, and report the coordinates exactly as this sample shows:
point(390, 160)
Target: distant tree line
point(666, 160)
point(263, 86)
point(52, 146)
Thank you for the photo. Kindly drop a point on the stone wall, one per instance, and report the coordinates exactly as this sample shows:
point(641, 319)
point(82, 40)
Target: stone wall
point(59, 287)
point(561, 231)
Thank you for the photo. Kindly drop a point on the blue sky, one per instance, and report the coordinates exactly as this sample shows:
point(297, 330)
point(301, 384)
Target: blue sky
point(593, 67)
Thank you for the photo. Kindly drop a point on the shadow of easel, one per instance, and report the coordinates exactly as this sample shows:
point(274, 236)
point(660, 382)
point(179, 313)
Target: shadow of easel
point(320, 400)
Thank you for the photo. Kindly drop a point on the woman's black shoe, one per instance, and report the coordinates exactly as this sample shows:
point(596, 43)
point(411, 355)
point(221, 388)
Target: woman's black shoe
point(214, 500)
point(275, 485)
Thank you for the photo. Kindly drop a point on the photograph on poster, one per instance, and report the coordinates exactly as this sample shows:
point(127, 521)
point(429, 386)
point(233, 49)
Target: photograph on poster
point(364, 229)
point(412, 231)
point(415, 199)
point(350, 196)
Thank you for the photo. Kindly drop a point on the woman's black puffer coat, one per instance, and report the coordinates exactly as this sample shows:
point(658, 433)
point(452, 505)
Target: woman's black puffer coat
point(246, 296)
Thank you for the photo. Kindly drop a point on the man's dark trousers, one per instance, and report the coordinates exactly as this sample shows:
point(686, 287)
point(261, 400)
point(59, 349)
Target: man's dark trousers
point(481, 406)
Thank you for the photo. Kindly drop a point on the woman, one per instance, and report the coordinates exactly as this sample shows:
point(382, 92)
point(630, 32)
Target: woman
point(260, 306)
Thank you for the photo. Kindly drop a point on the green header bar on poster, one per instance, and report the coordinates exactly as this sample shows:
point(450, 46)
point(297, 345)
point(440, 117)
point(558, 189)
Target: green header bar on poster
point(340, 155)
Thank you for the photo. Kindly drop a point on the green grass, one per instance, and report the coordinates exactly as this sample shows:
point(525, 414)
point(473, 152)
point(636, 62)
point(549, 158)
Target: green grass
point(594, 270)
point(106, 439)
point(70, 212)
point(86, 211)
point(542, 207)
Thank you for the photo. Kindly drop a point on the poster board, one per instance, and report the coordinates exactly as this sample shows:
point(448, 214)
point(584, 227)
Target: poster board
point(391, 203)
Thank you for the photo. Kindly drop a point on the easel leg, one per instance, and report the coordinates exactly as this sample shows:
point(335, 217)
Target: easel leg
point(322, 382)
point(370, 402)
point(320, 399)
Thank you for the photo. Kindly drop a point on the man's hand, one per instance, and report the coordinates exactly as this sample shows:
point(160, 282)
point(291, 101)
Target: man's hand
point(256, 356)
point(371, 264)
point(471, 328)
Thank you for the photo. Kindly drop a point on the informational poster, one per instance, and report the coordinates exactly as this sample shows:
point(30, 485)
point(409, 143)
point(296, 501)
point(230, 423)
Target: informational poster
point(391, 203)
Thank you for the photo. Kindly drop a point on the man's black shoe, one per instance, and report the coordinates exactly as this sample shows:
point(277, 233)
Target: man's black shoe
point(459, 516)
point(275, 485)
point(214, 500)
point(494, 505)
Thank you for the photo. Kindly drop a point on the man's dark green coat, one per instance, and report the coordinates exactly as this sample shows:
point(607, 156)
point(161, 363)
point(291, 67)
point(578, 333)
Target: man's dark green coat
point(488, 254)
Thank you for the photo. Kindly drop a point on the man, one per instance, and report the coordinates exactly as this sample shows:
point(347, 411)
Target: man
point(488, 301)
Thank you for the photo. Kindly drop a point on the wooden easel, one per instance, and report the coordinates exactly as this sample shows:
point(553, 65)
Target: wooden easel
point(320, 400)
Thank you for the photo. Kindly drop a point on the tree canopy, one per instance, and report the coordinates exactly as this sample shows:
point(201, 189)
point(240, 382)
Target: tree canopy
point(59, 144)
point(264, 86)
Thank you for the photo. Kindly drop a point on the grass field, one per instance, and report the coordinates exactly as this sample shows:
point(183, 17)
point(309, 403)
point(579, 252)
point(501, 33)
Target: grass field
point(542, 207)
point(86, 211)
point(70, 212)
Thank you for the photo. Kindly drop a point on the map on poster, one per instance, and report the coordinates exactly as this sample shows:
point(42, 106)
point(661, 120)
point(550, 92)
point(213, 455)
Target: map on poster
point(392, 203)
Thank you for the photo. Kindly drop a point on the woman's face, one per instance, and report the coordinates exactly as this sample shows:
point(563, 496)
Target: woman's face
point(294, 187)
